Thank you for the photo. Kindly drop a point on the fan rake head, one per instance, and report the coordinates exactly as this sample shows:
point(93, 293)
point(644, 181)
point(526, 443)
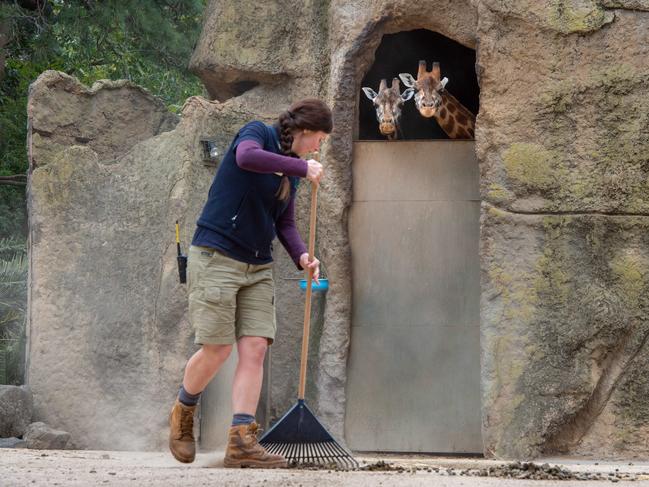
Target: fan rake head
point(300, 438)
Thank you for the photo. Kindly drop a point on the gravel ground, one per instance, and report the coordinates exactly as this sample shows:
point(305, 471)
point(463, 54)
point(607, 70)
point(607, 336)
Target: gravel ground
point(21, 467)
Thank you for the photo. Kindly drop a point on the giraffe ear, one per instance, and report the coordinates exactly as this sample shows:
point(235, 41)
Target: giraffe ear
point(407, 95)
point(407, 79)
point(370, 93)
point(443, 82)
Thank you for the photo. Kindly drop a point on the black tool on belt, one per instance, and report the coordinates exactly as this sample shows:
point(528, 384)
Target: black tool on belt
point(182, 259)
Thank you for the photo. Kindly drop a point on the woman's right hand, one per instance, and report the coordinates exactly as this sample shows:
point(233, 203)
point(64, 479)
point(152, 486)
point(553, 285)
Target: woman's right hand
point(314, 171)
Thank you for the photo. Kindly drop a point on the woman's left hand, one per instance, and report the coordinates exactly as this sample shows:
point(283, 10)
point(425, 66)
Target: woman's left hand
point(314, 264)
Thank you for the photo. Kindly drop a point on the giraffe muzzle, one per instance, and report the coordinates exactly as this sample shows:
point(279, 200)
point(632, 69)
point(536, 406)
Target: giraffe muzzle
point(387, 128)
point(427, 111)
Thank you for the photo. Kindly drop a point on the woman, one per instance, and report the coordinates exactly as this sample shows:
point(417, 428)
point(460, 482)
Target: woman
point(230, 283)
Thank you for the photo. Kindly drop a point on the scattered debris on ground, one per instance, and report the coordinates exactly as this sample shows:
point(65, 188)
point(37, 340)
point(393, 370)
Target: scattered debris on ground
point(514, 470)
point(534, 471)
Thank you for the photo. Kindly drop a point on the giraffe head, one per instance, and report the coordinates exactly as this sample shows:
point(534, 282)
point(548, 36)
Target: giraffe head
point(388, 103)
point(429, 87)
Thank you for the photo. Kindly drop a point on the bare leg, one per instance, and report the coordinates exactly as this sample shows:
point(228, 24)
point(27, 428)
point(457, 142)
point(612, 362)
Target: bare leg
point(243, 448)
point(203, 365)
point(248, 377)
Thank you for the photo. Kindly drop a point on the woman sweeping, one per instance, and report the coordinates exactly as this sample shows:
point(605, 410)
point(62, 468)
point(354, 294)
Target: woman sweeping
point(229, 275)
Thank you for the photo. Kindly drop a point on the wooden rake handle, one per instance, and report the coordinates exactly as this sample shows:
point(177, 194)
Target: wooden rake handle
point(309, 285)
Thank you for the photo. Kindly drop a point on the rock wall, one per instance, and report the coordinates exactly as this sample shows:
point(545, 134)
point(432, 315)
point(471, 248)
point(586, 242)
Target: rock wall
point(561, 137)
point(111, 171)
point(244, 44)
point(563, 148)
point(105, 319)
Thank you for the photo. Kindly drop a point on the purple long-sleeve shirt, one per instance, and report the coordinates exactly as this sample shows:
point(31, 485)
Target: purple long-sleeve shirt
point(252, 157)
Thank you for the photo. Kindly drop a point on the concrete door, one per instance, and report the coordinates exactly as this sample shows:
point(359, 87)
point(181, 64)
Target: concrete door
point(414, 366)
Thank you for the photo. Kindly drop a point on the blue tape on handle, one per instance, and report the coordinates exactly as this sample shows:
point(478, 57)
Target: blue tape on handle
point(323, 286)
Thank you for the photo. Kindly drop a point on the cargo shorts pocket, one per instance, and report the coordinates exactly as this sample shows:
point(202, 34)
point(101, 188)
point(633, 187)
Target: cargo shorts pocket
point(212, 313)
point(214, 295)
point(221, 301)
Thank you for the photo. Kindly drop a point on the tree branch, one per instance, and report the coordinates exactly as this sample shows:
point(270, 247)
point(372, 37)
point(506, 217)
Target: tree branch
point(14, 180)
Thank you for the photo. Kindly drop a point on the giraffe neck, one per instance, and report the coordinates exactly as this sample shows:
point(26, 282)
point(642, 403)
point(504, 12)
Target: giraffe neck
point(454, 118)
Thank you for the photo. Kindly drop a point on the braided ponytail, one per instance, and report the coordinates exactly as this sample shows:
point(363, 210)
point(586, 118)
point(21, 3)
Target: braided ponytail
point(311, 114)
point(286, 127)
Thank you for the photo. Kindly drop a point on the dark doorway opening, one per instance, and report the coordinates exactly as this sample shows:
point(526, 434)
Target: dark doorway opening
point(400, 53)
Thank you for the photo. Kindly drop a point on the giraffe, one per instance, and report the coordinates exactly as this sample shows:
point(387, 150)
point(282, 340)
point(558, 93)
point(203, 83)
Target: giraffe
point(388, 103)
point(432, 100)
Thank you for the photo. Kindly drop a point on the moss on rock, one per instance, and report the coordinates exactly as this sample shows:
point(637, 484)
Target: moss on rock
point(571, 17)
point(532, 166)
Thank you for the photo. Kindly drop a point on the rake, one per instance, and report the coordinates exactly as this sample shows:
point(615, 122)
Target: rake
point(298, 435)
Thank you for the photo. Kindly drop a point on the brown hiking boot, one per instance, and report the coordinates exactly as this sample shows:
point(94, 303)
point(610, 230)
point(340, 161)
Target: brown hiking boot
point(244, 451)
point(181, 432)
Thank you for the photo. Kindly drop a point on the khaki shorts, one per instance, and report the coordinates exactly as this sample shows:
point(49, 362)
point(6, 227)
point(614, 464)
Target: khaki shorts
point(229, 299)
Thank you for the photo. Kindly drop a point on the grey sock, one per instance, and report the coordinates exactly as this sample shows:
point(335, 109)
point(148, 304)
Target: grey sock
point(188, 399)
point(238, 419)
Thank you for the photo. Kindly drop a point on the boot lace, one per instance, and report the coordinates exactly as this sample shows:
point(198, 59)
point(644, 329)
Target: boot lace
point(187, 425)
point(255, 430)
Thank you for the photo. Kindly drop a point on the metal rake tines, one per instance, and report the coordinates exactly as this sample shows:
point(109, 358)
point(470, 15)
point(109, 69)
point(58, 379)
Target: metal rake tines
point(321, 453)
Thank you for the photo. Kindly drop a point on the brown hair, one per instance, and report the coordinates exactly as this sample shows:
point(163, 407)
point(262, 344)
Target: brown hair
point(309, 114)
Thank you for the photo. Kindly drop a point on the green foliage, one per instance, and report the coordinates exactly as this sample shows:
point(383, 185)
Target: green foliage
point(146, 41)
point(13, 299)
point(13, 211)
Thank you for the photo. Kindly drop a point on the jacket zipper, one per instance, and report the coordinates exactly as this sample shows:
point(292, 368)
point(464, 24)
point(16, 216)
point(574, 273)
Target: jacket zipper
point(236, 215)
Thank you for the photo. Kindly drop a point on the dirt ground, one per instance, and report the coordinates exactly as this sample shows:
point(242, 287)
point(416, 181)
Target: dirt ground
point(21, 467)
